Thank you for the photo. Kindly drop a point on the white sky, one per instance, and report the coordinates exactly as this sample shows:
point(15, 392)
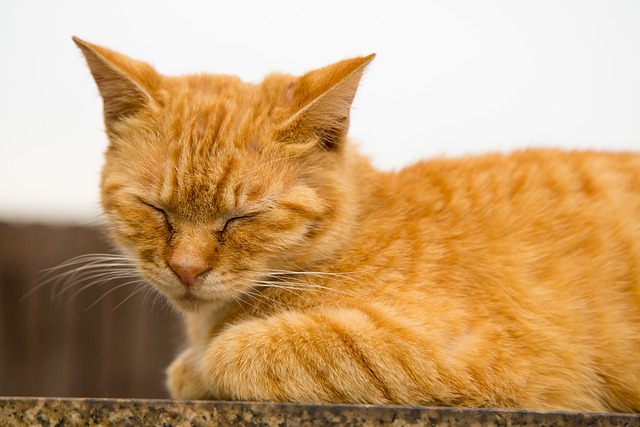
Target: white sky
point(451, 77)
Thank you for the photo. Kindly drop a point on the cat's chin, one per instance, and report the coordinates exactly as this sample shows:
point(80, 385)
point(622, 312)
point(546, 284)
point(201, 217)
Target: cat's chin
point(192, 304)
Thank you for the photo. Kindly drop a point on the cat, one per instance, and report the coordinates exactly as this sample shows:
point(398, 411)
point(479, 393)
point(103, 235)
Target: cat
point(306, 275)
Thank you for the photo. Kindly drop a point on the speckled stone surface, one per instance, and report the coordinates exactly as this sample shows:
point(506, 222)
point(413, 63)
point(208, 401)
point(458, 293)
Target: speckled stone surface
point(133, 412)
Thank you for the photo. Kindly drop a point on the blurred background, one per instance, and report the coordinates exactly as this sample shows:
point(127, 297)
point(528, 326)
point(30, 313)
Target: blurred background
point(451, 78)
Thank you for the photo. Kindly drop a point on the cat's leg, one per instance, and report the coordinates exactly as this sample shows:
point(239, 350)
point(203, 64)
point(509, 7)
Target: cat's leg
point(371, 354)
point(183, 381)
point(330, 355)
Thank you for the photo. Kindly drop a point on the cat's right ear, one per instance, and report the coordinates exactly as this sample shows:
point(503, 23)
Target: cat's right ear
point(126, 85)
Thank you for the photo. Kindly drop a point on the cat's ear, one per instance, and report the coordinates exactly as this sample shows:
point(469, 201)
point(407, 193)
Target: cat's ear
point(320, 102)
point(126, 85)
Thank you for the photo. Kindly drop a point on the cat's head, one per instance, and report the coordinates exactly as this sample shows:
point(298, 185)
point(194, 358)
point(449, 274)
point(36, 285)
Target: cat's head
point(213, 184)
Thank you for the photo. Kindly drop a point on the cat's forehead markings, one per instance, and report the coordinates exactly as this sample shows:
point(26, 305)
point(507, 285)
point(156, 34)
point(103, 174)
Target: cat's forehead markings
point(168, 184)
point(209, 108)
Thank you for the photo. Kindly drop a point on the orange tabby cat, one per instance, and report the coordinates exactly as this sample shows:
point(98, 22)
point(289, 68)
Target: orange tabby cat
point(304, 274)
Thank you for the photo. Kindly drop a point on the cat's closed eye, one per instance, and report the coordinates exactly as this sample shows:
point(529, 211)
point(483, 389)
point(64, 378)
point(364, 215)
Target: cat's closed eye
point(234, 221)
point(160, 212)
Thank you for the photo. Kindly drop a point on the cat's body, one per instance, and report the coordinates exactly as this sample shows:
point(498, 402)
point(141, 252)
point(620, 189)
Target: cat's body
point(306, 275)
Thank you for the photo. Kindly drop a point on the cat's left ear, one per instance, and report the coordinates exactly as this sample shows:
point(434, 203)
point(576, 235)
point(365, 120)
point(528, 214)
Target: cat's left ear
point(320, 102)
point(127, 86)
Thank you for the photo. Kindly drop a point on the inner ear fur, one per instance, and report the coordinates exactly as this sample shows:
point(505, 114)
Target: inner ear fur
point(321, 102)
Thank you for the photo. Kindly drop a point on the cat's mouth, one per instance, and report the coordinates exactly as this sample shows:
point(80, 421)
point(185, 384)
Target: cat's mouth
point(191, 301)
point(202, 295)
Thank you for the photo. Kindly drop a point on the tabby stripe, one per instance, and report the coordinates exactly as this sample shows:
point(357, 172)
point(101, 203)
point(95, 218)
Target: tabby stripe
point(224, 179)
point(396, 331)
point(216, 134)
point(237, 191)
point(276, 387)
point(310, 366)
point(358, 356)
point(299, 210)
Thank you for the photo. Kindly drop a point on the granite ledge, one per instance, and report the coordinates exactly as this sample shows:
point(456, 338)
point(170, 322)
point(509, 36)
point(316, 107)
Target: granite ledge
point(167, 413)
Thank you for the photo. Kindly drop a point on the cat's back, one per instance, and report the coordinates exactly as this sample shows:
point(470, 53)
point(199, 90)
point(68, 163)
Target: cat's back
point(552, 175)
point(537, 252)
point(545, 217)
point(525, 194)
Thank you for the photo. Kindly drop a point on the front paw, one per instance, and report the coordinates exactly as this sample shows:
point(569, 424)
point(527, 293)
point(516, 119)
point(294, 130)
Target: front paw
point(183, 379)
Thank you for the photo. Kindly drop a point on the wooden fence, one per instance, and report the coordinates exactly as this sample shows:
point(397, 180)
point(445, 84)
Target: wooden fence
point(74, 346)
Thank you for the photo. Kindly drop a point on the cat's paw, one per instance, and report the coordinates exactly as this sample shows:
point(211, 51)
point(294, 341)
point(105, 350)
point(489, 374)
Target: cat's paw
point(183, 380)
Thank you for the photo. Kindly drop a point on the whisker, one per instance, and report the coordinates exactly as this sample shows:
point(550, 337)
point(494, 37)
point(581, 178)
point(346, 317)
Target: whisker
point(156, 297)
point(147, 294)
point(151, 290)
point(100, 274)
point(320, 274)
point(308, 272)
point(81, 267)
point(87, 281)
point(254, 295)
point(83, 272)
point(297, 289)
point(128, 297)
point(88, 258)
point(291, 288)
point(238, 300)
point(300, 286)
point(122, 285)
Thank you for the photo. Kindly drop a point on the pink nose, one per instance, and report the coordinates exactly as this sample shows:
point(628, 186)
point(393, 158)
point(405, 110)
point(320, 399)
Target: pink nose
point(189, 273)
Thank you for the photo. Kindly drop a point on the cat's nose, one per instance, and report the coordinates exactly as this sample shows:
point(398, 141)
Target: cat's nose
point(189, 273)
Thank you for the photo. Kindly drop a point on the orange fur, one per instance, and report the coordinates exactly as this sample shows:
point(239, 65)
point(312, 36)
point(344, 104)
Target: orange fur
point(304, 274)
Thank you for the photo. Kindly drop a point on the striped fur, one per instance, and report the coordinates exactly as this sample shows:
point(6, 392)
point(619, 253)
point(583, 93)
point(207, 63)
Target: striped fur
point(304, 274)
